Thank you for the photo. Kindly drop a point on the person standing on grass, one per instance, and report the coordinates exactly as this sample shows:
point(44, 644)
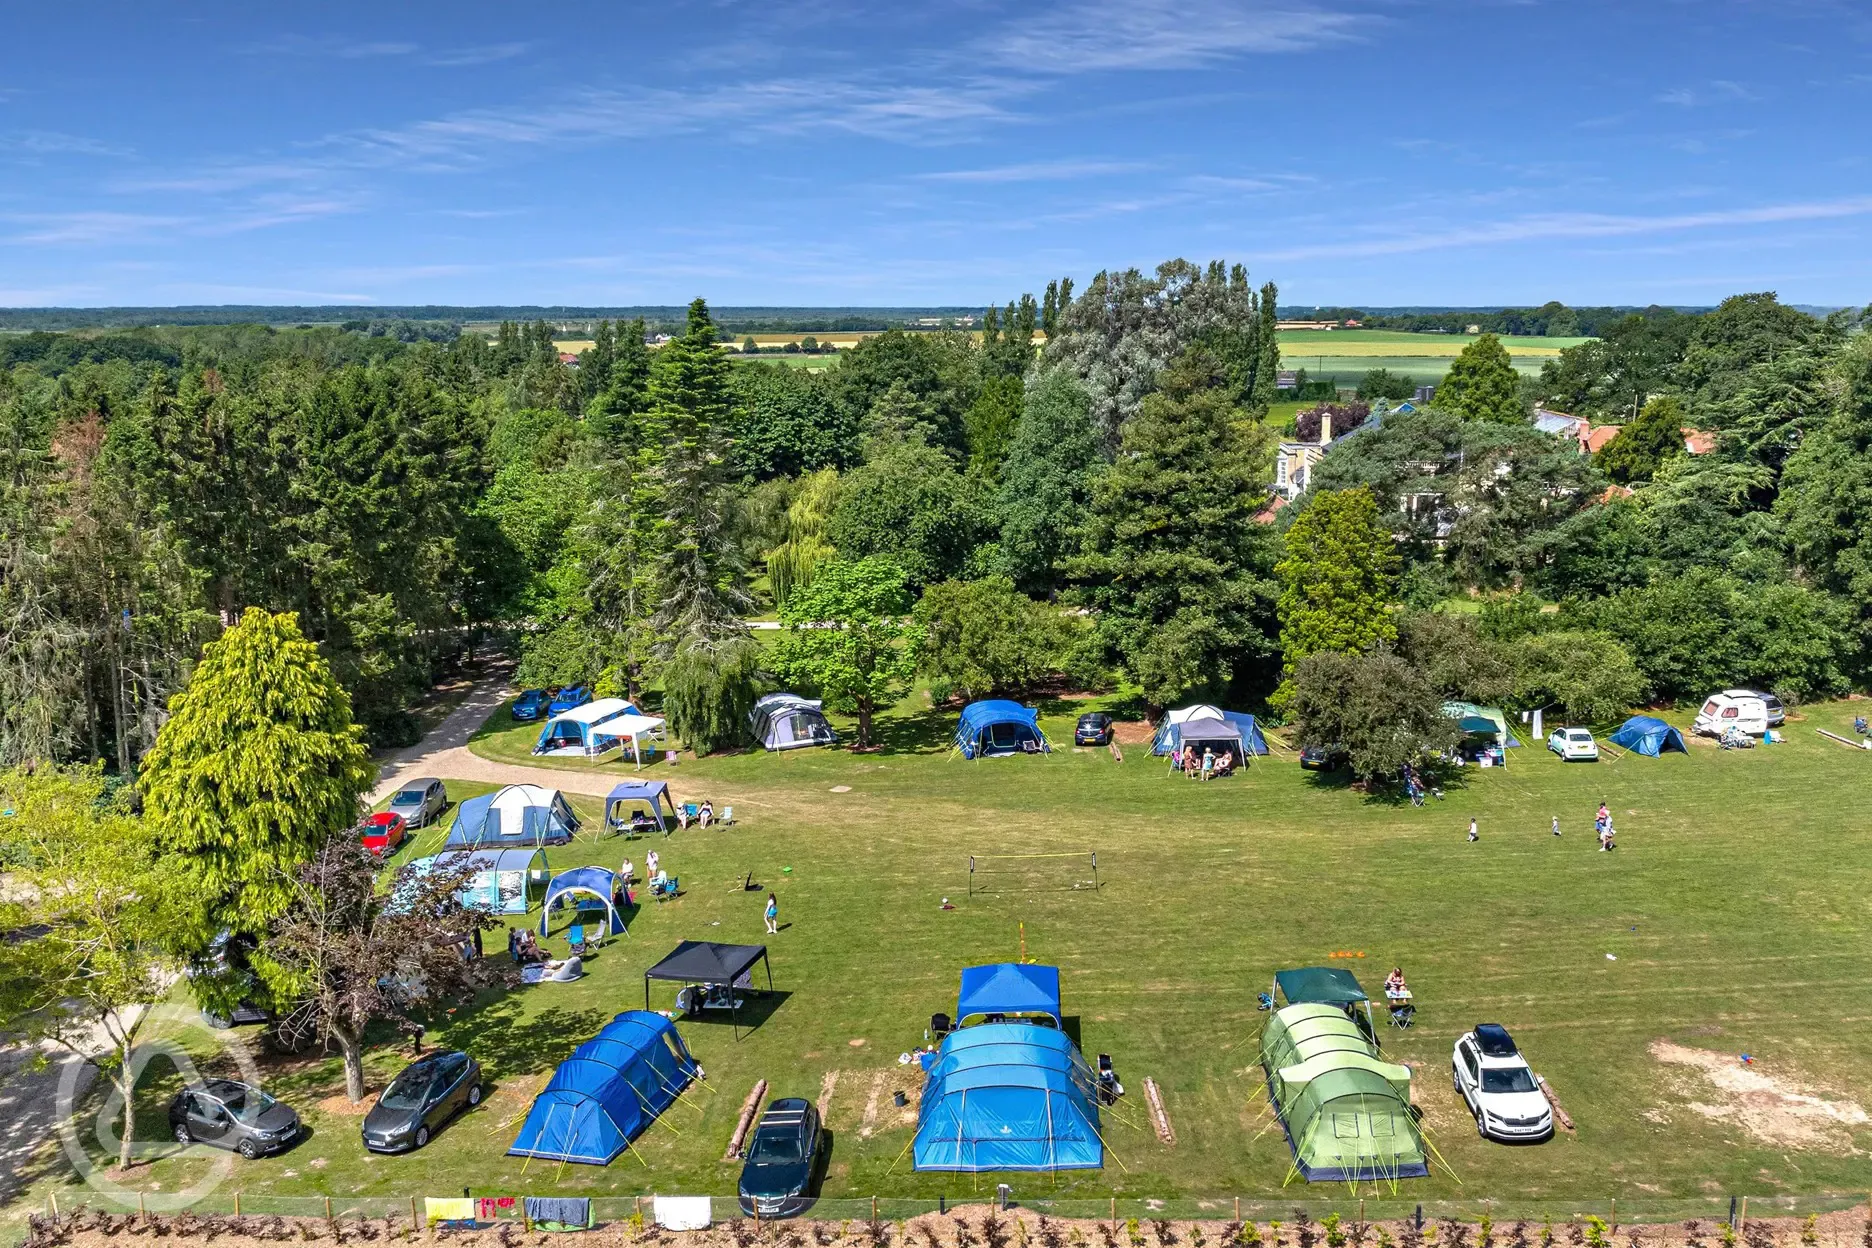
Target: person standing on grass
point(1472, 831)
point(1556, 825)
point(773, 915)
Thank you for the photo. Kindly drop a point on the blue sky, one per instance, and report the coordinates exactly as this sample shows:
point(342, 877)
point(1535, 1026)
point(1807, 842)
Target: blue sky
point(944, 151)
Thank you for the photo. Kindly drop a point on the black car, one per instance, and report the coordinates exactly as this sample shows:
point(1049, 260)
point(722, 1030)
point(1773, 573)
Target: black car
point(1318, 758)
point(784, 1159)
point(1093, 728)
point(232, 1115)
point(531, 705)
point(427, 1094)
point(226, 985)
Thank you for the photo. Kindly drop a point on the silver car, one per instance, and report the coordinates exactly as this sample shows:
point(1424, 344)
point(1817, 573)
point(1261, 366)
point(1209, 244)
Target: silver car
point(419, 801)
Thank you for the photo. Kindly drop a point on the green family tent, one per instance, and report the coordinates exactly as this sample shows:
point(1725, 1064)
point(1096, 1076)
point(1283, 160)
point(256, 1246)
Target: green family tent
point(1346, 1112)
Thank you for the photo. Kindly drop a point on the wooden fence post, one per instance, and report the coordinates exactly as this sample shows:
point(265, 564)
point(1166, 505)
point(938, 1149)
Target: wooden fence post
point(414, 1223)
point(237, 1204)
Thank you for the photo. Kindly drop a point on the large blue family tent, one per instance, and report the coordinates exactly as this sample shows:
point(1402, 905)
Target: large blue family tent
point(1009, 988)
point(1208, 727)
point(636, 800)
point(612, 1087)
point(520, 814)
point(998, 727)
point(587, 889)
point(1008, 1096)
point(1650, 736)
point(501, 882)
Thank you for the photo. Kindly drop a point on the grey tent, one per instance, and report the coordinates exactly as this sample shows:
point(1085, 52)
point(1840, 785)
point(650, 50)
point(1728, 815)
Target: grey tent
point(786, 721)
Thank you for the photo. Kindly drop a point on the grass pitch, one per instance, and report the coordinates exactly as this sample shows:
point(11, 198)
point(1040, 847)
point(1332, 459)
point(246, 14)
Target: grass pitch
point(1735, 917)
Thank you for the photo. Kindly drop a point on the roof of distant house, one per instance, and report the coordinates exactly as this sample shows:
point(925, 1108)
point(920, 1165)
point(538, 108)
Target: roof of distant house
point(1597, 436)
point(1699, 442)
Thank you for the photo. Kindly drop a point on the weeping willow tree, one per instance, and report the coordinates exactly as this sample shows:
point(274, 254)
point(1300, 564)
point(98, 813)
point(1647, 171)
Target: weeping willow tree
point(708, 690)
point(793, 564)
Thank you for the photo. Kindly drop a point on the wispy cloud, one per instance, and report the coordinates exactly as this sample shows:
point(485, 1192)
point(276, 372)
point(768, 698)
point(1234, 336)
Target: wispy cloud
point(1036, 171)
point(1536, 227)
point(329, 45)
point(344, 49)
point(1080, 36)
point(86, 227)
point(1717, 91)
point(57, 143)
point(487, 54)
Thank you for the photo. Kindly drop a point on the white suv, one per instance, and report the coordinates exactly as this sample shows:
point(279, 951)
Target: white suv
point(1573, 744)
point(1494, 1079)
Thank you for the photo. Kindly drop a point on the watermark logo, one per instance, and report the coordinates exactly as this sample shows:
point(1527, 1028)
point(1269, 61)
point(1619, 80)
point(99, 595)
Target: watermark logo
point(178, 1025)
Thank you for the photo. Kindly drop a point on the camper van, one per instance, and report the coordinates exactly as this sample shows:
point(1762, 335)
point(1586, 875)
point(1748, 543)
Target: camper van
point(1733, 708)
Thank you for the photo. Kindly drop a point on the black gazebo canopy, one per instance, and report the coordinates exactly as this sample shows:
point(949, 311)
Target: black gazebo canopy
point(705, 962)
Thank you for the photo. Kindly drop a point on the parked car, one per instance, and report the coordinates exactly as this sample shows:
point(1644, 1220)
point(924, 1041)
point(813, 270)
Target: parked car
point(429, 1092)
point(530, 705)
point(784, 1158)
point(1777, 712)
point(382, 832)
point(1573, 745)
point(1094, 728)
point(1733, 708)
point(232, 1115)
point(227, 975)
point(419, 801)
point(567, 699)
point(1320, 758)
point(1494, 1080)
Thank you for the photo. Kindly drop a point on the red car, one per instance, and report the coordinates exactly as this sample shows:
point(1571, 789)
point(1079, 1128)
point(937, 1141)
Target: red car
point(383, 832)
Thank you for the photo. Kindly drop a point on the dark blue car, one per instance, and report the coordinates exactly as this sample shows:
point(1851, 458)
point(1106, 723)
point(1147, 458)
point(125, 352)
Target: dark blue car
point(530, 705)
point(576, 695)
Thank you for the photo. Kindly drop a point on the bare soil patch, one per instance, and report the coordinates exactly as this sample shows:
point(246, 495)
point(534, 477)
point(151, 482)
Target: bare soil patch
point(1775, 1108)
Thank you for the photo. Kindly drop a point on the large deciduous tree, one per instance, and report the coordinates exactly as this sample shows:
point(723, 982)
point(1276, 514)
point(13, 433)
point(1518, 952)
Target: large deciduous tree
point(1376, 707)
point(848, 636)
point(1338, 579)
point(1482, 384)
point(1589, 676)
point(95, 910)
point(1173, 564)
point(351, 953)
point(259, 765)
point(981, 637)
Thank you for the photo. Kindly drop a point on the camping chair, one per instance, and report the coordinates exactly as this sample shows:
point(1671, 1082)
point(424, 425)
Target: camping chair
point(1403, 1014)
point(575, 938)
point(726, 817)
point(939, 1027)
point(665, 890)
point(692, 810)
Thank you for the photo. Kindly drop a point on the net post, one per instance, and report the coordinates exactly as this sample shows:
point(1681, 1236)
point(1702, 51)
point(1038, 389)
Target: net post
point(1095, 879)
point(971, 879)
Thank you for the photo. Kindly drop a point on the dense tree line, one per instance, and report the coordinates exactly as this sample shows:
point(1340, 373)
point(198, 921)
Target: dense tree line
point(1099, 450)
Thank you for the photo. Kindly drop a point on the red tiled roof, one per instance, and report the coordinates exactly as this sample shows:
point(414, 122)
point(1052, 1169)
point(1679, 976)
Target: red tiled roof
point(1697, 442)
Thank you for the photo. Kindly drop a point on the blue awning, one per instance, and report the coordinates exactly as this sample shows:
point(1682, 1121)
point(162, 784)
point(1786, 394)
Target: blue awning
point(1009, 988)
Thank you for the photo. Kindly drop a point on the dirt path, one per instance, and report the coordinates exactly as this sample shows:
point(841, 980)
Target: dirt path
point(444, 753)
point(29, 1111)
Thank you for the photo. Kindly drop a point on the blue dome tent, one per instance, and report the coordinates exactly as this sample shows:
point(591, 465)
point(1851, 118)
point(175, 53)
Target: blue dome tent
point(1009, 988)
point(1649, 736)
point(611, 1088)
point(1008, 1096)
point(583, 881)
point(998, 727)
point(1208, 725)
point(520, 814)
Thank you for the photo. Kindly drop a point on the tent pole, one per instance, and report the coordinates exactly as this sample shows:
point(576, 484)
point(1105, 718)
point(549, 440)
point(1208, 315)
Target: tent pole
point(1052, 1153)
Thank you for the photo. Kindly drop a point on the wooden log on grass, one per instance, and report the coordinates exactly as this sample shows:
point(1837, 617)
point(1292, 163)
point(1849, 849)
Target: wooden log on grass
point(1559, 1110)
point(748, 1109)
point(1158, 1114)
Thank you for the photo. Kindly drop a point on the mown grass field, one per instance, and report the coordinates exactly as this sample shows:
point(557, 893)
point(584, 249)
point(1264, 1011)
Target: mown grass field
point(1347, 354)
point(1737, 910)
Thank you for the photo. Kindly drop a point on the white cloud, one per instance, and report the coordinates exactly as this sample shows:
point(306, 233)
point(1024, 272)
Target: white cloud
point(1080, 36)
point(1036, 171)
point(1535, 227)
point(57, 143)
point(87, 227)
point(1718, 91)
point(487, 54)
